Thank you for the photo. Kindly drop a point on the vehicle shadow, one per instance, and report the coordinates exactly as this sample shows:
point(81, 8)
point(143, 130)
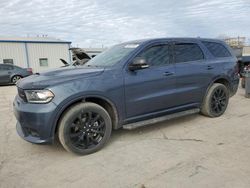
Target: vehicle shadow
point(7, 85)
point(132, 134)
point(153, 127)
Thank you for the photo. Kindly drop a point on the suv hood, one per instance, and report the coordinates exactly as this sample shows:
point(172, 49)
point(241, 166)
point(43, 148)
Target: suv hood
point(57, 76)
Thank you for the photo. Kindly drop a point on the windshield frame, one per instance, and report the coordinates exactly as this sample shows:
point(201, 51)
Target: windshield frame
point(134, 47)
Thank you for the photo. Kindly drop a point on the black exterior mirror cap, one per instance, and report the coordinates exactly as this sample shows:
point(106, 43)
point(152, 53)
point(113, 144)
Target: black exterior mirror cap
point(138, 63)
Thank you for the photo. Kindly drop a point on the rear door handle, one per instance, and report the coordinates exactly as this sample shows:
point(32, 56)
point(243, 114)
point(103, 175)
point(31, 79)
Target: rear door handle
point(210, 67)
point(168, 73)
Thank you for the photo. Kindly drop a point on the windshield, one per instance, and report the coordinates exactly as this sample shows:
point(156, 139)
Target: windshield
point(112, 56)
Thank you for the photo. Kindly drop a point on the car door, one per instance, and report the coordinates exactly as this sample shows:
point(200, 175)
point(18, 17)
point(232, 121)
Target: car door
point(5, 72)
point(151, 90)
point(192, 77)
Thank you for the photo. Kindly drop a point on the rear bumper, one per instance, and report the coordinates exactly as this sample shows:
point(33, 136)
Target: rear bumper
point(34, 121)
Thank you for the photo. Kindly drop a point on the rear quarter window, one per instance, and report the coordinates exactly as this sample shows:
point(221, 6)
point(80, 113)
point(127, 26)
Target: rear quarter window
point(217, 49)
point(18, 68)
point(185, 52)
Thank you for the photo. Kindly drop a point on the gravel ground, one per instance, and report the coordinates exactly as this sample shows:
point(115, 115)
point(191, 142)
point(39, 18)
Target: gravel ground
point(193, 151)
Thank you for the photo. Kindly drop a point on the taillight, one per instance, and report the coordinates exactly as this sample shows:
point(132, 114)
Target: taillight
point(237, 68)
point(30, 70)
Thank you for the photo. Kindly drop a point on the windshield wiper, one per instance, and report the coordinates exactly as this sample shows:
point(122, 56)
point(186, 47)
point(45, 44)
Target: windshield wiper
point(92, 65)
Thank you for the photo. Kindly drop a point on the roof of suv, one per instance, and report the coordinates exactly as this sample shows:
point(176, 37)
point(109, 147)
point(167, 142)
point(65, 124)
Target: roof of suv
point(176, 38)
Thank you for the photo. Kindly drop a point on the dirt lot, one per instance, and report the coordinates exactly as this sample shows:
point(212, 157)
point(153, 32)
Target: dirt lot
point(193, 151)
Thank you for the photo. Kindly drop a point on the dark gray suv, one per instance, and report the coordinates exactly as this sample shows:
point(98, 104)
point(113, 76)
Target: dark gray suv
point(10, 74)
point(130, 85)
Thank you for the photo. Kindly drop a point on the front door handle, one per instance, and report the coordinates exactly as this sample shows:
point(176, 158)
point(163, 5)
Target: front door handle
point(168, 73)
point(210, 67)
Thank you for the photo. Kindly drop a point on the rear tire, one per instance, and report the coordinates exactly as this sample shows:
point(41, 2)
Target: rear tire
point(15, 78)
point(216, 101)
point(85, 128)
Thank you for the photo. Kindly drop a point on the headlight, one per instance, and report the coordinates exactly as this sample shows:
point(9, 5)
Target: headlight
point(39, 96)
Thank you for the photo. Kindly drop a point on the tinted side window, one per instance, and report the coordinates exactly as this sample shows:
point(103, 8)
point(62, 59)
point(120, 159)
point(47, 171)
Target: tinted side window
point(185, 52)
point(17, 68)
point(6, 67)
point(217, 49)
point(157, 55)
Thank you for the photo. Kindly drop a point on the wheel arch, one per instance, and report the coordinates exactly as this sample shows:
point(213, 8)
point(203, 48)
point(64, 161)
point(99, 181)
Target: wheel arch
point(102, 101)
point(11, 77)
point(16, 75)
point(222, 80)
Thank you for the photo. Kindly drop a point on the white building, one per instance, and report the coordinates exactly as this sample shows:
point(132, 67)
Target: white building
point(38, 53)
point(246, 51)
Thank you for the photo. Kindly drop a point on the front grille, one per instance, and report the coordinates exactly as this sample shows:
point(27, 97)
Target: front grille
point(21, 94)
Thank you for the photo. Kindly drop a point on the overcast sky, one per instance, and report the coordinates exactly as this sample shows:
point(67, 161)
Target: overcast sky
point(93, 23)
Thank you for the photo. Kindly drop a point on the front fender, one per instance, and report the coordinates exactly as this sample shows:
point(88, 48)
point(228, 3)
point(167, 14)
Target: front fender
point(102, 87)
point(80, 97)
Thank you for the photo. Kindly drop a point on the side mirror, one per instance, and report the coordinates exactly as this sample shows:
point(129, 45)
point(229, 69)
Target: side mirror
point(138, 63)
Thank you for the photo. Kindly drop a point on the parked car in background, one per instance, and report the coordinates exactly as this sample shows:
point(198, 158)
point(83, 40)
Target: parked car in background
point(244, 63)
point(10, 74)
point(127, 86)
point(243, 79)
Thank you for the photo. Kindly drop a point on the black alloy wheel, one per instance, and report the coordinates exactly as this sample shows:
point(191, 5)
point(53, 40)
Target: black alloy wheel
point(216, 100)
point(219, 101)
point(85, 128)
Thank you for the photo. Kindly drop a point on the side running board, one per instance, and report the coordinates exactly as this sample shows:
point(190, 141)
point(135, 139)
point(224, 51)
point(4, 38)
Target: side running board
point(160, 119)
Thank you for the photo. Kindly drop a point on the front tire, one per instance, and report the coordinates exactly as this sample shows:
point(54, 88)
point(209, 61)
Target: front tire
point(85, 128)
point(216, 101)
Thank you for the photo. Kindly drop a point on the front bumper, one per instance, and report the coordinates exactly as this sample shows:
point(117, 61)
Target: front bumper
point(30, 137)
point(35, 122)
